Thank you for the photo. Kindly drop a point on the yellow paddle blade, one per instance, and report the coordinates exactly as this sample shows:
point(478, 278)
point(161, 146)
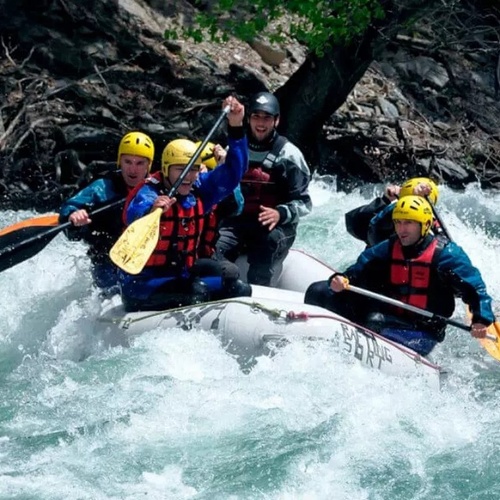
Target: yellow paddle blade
point(492, 342)
point(136, 244)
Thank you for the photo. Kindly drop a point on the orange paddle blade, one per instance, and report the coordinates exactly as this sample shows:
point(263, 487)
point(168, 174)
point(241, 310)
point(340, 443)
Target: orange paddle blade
point(44, 220)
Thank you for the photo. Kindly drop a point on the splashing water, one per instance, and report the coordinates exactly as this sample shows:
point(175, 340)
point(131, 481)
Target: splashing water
point(173, 417)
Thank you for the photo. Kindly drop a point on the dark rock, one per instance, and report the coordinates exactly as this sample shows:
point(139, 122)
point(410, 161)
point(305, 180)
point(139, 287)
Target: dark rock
point(78, 75)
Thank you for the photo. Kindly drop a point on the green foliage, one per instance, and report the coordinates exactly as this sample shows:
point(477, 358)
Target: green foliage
point(316, 23)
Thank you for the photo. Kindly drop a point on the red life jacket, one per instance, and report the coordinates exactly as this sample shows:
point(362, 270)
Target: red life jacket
point(257, 185)
point(410, 278)
point(180, 232)
point(208, 238)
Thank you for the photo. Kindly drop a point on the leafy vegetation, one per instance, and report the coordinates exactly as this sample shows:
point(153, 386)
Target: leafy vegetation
point(319, 24)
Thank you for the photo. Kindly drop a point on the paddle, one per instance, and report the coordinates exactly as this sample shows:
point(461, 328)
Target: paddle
point(441, 222)
point(24, 239)
point(491, 343)
point(409, 307)
point(136, 244)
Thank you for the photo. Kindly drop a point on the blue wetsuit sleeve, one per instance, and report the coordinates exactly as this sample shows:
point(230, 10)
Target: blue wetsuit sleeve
point(368, 258)
point(382, 213)
point(239, 200)
point(219, 183)
point(141, 204)
point(456, 268)
point(381, 226)
point(98, 193)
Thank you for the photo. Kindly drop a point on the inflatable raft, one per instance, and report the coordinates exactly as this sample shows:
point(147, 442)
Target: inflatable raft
point(272, 317)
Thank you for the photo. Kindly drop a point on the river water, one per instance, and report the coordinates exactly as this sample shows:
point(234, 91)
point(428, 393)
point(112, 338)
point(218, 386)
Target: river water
point(173, 416)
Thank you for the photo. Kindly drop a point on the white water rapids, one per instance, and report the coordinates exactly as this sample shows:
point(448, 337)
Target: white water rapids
point(173, 417)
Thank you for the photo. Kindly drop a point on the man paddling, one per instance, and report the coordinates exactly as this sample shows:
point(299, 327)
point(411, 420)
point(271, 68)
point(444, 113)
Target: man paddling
point(414, 267)
point(135, 156)
point(174, 273)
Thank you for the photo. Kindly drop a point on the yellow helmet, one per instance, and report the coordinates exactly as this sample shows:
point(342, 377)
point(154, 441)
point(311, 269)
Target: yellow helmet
point(409, 185)
point(414, 208)
point(178, 152)
point(207, 156)
point(137, 144)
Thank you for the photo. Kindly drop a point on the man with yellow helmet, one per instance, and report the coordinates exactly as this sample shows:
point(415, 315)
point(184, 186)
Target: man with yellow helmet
point(372, 223)
point(176, 273)
point(135, 156)
point(415, 267)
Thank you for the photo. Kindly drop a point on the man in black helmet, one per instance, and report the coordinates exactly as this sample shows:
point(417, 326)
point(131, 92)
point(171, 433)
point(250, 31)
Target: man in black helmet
point(275, 189)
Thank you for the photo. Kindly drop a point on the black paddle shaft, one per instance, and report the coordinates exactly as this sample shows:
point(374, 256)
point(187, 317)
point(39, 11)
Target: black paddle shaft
point(22, 244)
point(197, 153)
point(441, 223)
point(408, 307)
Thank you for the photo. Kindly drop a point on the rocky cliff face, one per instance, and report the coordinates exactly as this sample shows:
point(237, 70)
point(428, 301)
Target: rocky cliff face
point(75, 76)
point(426, 108)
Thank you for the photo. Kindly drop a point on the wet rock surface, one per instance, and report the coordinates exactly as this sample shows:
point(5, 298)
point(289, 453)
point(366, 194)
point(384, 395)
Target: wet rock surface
point(75, 76)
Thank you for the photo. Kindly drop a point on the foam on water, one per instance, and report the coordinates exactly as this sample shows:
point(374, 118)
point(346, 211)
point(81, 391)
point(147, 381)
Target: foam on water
point(172, 415)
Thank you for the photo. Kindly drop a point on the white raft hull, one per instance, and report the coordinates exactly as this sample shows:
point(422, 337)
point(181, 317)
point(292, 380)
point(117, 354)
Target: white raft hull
point(249, 327)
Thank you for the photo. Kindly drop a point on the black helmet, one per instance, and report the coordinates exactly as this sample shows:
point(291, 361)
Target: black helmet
point(266, 102)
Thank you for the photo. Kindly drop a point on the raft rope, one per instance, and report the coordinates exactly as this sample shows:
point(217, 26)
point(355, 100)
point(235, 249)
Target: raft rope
point(254, 306)
point(275, 313)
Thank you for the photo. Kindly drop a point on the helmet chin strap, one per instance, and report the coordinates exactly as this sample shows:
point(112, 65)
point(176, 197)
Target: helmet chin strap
point(167, 183)
point(424, 234)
